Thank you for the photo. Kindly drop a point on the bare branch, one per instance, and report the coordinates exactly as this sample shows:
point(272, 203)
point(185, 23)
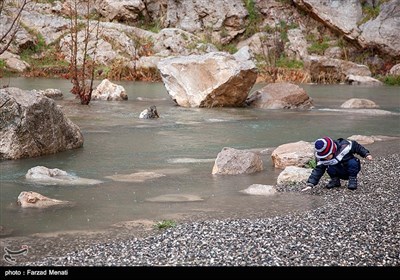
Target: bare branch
point(14, 27)
point(83, 59)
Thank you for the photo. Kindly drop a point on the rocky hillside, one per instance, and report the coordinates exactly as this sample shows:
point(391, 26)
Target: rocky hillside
point(320, 41)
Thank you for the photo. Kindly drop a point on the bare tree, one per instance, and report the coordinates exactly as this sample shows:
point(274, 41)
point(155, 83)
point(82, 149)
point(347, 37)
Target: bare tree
point(8, 36)
point(83, 57)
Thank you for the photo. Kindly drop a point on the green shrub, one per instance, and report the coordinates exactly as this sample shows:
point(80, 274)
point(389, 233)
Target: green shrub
point(164, 224)
point(289, 63)
point(254, 19)
point(318, 48)
point(312, 163)
point(391, 80)
point(230, 48)
point(2, 64)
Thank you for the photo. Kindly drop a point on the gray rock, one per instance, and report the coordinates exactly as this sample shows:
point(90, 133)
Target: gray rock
point(33, 125)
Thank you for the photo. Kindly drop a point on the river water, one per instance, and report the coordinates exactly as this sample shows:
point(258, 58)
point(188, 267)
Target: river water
point(181, 145)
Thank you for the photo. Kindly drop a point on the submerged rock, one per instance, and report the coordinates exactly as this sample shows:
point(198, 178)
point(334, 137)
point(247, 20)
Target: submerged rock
point(30, 199)
point(149, 113)
point(55, 176)
point(175, 198)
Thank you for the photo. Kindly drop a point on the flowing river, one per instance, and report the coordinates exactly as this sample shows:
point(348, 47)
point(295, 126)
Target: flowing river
point(182, 145)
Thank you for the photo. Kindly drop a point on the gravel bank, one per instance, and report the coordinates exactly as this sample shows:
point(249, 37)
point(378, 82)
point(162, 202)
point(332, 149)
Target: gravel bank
point(352, 228)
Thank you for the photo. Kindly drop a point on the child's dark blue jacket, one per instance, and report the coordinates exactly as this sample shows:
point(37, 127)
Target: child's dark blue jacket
point(345, 151)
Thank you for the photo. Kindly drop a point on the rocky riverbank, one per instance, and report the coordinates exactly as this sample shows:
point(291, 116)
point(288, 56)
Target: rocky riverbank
point(352, 228)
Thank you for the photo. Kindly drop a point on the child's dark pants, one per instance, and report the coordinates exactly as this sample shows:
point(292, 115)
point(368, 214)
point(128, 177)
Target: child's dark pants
point(344, 170)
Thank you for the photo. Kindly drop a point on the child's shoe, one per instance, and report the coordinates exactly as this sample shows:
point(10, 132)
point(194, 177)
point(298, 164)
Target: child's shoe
point(352, 185)
point(334, 182)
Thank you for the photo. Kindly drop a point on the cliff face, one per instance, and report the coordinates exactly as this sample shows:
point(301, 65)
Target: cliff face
point(135, 35)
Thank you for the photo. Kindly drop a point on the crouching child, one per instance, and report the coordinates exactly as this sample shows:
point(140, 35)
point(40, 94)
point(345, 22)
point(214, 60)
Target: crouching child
point(337, 158)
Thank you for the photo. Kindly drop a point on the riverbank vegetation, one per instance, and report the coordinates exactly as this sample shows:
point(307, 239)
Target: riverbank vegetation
point(273, 64)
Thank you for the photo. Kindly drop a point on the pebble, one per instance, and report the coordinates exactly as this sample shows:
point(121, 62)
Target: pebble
point(352, 228)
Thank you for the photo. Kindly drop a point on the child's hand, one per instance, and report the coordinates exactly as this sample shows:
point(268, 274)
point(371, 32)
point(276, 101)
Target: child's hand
point(309, 186)
point(369, 157)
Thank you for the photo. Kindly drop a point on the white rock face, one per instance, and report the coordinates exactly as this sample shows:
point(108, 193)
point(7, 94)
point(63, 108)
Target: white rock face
point(109, 91)
point(216, 79)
